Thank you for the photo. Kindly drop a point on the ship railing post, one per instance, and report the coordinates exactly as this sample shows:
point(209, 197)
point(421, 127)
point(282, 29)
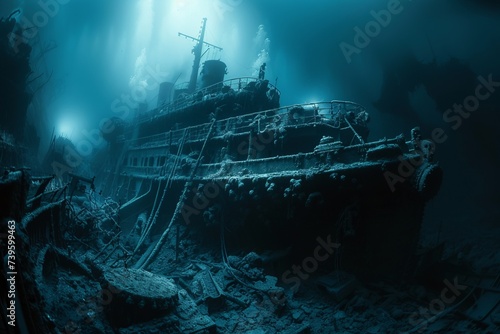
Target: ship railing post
point(170, 140)
point(249, 155)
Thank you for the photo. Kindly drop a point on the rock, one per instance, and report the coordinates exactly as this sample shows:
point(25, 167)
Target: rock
point(220, 323)
point(339, 284)
point(306, 309)
point(373, 329)
point(397, 313)
point(256, 331)
point(251, 312)
point(297, 315)
point(339, 315)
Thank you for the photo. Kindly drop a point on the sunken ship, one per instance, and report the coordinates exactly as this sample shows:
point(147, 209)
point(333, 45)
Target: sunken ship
point(223, 151)
point(218, 188)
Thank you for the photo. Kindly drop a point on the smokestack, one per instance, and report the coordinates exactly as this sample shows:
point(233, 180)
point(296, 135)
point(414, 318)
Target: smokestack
point(165, 93)
point(213, 72)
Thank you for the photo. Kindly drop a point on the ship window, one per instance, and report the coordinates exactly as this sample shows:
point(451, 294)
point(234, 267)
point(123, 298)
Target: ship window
point(162, 161)
point(134, 162)
point(151, 161)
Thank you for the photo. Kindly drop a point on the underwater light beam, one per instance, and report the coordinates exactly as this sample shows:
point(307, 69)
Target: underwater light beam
point(65, 128)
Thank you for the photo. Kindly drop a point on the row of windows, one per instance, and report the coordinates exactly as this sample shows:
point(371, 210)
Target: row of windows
point(157, 161)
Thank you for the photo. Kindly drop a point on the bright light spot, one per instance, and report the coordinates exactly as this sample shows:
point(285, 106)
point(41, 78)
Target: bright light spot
point(144, 27)
point(186, 16)
point(180, 4)
point(68, 126)
point(156, 28)
point(65, 129)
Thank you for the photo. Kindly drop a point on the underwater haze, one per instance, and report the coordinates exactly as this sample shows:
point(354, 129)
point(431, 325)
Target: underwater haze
point(420, 62)
point(410, 63)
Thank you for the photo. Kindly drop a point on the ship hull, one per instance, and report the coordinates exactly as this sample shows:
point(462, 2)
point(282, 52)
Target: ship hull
point(368, 208)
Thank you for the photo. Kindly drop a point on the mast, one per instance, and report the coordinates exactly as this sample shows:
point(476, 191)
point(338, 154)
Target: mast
point(198, 53)
point(197, 57)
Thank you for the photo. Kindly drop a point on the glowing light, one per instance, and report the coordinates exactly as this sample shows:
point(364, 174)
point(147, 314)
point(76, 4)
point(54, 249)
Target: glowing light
point(67, 126)
point(65, 129)
point(144, 27)
point(186, 16)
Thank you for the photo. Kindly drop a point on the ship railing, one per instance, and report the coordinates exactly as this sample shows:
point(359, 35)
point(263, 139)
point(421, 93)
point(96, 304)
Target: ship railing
point(171, 137)
point(186, 99)
point(331, 113)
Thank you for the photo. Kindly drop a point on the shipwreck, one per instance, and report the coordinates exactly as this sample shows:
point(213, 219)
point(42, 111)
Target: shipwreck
point(215, 212)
